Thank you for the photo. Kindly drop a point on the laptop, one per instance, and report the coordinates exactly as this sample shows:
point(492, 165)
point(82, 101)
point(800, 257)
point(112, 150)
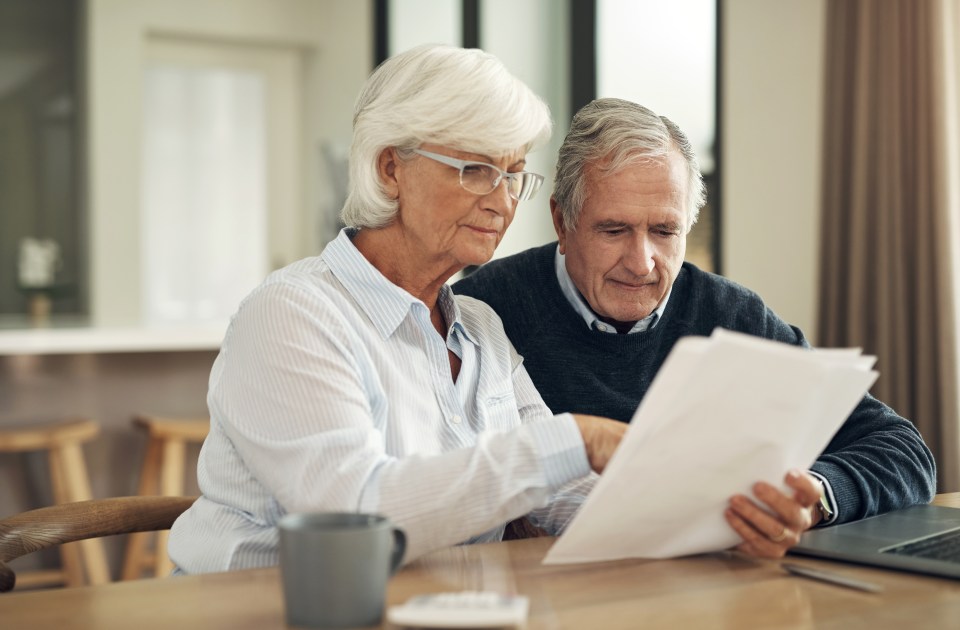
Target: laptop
point(921, 539)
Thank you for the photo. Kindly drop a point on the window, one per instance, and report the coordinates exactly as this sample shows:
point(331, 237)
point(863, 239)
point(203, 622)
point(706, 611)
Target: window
point(663, 55)
point(660, 54)
point(40, 151)
point(221, 182)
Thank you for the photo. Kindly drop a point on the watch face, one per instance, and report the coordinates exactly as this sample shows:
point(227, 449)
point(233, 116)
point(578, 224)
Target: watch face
point(824, 507)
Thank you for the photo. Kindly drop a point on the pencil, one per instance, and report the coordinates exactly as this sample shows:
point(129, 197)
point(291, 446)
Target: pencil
point(831, 578)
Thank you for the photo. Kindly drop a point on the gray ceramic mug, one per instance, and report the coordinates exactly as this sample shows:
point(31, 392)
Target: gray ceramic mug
point(335, 567)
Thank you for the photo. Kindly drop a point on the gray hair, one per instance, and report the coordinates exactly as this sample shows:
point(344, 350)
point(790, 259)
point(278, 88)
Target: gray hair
point(618, 133)
point(464, 99)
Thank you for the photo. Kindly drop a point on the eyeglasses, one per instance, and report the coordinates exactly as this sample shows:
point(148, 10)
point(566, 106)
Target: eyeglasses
point(482, 179)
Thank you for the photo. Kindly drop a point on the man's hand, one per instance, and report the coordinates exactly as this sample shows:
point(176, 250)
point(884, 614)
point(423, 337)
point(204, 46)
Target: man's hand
point(771, 530)
point(601, 436)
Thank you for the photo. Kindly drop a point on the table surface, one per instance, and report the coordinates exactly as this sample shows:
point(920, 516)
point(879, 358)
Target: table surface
point(713, 590)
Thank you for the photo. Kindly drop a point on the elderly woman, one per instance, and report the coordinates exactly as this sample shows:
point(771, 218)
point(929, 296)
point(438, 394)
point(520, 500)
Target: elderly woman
point(356, 380)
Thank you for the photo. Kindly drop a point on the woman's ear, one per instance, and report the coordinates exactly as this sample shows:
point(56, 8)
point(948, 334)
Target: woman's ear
point(387, 170)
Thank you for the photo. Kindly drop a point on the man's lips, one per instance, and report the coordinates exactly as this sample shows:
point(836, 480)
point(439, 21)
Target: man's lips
point(633, 285)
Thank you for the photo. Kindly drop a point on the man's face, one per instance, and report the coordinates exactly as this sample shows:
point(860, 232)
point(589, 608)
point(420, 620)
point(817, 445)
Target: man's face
point(628, 246)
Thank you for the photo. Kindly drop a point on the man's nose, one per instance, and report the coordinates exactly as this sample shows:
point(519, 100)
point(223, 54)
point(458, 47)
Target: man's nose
point(638, 258)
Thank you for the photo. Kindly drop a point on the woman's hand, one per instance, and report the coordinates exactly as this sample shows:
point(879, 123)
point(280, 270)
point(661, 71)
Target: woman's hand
point(771, 530)
point(601, 436)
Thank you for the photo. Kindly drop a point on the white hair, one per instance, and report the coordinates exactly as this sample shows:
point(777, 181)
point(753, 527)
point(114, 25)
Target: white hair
point(611, 133)
point(464, 99)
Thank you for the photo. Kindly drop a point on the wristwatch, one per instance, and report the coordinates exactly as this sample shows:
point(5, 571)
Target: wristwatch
point(822, 506)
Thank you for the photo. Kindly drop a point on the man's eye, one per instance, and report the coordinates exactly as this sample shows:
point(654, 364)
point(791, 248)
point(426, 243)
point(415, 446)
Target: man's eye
point(614, 231)
point(473, 169)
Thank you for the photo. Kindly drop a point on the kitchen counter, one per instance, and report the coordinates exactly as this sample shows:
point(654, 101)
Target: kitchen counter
point(70, 338)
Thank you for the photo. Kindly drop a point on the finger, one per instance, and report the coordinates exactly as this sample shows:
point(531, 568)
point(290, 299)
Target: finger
point(751, 550)
point(760, 530)
point(806, 487)
point(770, 525)
point(601, 436)
point(754, 542)
point(769, 536)
point(787, 510)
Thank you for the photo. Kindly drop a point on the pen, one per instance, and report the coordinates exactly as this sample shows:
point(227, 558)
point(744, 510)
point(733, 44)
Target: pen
point(832, 578)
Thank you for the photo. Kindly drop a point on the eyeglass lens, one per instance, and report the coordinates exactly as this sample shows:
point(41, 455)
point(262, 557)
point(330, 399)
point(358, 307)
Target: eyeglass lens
point(483, 178)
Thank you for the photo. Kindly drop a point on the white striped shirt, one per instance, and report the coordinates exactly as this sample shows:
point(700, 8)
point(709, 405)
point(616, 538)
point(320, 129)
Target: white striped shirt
point(332, 392)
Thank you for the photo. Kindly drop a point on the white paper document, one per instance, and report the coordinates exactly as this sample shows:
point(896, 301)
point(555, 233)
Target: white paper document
point(721, 414)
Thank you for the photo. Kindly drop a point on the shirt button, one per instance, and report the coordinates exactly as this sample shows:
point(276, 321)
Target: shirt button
point(456, 419)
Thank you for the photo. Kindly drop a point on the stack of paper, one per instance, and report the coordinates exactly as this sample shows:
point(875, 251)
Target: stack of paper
point(722, 414)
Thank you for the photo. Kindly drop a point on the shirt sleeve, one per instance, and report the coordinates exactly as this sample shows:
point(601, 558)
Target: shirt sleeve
point(298, 408)
point(563, 504)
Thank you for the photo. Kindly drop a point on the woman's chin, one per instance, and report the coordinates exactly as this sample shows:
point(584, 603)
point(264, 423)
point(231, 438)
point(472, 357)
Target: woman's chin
point(476, 256)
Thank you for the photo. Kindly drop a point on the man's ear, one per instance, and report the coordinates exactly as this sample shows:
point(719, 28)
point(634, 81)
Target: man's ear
point(557, 215)
point(387, 171)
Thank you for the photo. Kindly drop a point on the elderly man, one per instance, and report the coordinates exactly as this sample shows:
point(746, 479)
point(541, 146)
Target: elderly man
point(596, 314)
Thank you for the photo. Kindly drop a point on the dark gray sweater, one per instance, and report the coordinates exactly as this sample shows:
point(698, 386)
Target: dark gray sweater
point(877, 462)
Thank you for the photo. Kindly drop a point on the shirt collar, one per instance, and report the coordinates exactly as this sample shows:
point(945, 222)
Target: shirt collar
point(583, 309)
point(382, 301)
point(451, 313)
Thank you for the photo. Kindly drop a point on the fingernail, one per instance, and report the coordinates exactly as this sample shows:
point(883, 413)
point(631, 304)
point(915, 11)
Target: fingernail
point(793, 473)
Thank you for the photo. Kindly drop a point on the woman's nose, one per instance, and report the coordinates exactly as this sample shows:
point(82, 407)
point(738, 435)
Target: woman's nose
point(499, 199)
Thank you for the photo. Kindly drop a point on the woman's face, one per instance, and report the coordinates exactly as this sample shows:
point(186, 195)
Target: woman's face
point(440, 219)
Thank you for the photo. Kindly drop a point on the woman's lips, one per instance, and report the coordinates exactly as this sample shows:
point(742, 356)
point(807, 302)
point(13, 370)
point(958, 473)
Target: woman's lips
point(484, 231)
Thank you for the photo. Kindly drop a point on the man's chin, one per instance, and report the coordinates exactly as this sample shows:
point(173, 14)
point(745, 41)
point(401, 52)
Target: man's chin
point(633, 315)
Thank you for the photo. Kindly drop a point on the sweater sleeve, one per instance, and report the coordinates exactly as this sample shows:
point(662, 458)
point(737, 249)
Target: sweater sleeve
point(877, 461)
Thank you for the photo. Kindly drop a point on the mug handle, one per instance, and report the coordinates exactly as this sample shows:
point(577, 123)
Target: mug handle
point(399, 547)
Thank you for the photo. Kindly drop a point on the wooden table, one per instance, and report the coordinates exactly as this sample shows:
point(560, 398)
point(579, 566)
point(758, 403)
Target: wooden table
point(714, 590)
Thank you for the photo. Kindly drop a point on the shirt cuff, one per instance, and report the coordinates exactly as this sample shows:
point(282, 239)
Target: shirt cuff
point(560, 448)
point(831, 501)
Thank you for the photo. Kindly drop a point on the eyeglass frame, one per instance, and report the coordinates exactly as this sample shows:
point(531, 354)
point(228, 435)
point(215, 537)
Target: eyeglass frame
point(501, 174)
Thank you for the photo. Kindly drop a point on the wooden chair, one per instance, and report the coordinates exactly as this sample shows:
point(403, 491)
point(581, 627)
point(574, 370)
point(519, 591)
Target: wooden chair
point(162, 474)
point(85, 562)
point(83, 520)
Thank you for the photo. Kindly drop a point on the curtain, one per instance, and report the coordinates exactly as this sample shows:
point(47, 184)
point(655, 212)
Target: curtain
point(890, 245)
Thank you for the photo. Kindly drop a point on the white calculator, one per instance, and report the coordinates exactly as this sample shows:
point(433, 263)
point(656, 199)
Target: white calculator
point(463, 609)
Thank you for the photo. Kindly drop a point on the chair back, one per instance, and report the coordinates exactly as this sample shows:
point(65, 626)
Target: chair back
point(69, 522)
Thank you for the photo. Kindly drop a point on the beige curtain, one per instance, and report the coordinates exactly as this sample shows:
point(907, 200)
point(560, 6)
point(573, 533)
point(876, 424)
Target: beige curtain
point(889, 273)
